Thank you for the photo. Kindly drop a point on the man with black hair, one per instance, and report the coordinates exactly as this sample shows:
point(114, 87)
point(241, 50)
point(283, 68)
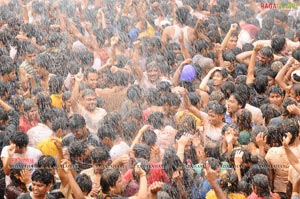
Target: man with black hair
point(18, 150)
point(42, 180)
point(172, 33)
point(79, 132)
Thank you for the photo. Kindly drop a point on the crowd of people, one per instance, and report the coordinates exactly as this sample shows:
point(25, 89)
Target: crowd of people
point(168, 99)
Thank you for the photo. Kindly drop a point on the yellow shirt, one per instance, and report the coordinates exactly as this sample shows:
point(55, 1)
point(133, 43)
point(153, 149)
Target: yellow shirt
point(56, 101)
point(212, 195)
point(47, 147)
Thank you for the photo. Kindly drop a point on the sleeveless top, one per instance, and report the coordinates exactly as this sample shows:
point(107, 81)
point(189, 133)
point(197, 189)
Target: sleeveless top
point(177, 32)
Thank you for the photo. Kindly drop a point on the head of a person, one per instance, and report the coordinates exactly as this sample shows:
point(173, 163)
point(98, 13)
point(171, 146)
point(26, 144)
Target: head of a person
point(182, 15)
point(227, 88)
point(78, 127)
point(265, 56)
point(85, 183)
point(156, 119)
point(21, 140)
point(290, 125)
point(229, 181)
point(229, 60)
point(219, 77)
point(232, 42)
point(56, 84)
point(195, 99)
point(286, 102)
point(261, 185)
point(15, 173)
point(111, 181)
point(269, 111)
point(42, 180)
point(149, 137)
point(235, 102)
point(8, 71)
point(79, 153)
point(135, 93)
point(275, 95)
point(295, 92)
point(216, 112)
point(91, 77)
point(280, 18)
point(30, 109)
point(173, 102)
point(60, 126)
point(42, 64)
point(244, 120)
point(171, 162)
point(47, 162)
point(232, 129)
point(106, 135)
point(89, 100)
point(100, 159)
point(141, 150)
point(66, 97)
point(153, 71)
point(278, 45)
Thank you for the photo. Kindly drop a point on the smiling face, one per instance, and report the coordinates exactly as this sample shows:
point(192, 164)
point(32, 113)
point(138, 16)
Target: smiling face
point(39, 189)
point(90, 102)
point(153, 74)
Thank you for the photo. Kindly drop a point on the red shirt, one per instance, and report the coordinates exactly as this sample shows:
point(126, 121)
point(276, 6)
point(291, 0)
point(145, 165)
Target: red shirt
point(25, 124)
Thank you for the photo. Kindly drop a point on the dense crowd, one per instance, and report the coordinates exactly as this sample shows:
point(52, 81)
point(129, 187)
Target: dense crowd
point(168, 99)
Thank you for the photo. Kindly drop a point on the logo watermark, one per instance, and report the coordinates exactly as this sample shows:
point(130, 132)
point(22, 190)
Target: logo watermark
point(278, 5)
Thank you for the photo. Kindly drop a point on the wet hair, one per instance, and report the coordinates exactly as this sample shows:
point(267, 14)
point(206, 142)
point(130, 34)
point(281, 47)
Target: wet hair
point(164, 87)
point(109, 178)
point(296, 54)
point(141, 151)
point(240, 99)
point(155, 119)
point(182, 15)
point(15, 169)
point(105, 131)
point(229, 56)
point(113, 121)
point(214, 163)
point(171, 161)
point(201, 45)
point(267, 51)
point(194, 98)
point(76, 122)
point(66, 95)
point(149, 137)
point(226, 127)
point(144, 164)
point(28, 104)
point(172, 99)
point(20, 139)
point(43, 60)
point(278, 43)
point(275, 89)
point(275, 135)
point(267, 23)
point(43, 102)
point(247, 47)
point(286, 102)
point(47, 115)
point(99, 154)
point(269, 111)
point(120, 78)
point(77, 149)
point(261, 84)
point(134, 93)
point(60, 123)
point(291, 125)
point(130, 128)
point(244, 119)
point(88, 92)
point(229, 181)
point(263, 34)
point(218, 96)
point(261, 182)
point(227, 88)
point(42, 175)
point(281, 16)
point(3, 114)
point(212, 151)
point(84, 182)
point(55, 84)
point(216, 107)
point(46, 162)
point(244, 187)
point(153, 97)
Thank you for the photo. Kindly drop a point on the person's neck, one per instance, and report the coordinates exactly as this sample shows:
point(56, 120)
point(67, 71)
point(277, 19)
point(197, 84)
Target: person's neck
point(33, 197)
point(218, 125)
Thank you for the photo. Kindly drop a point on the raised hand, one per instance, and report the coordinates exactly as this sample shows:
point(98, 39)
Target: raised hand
point(238, 157)
point(79, 76)
point(258, 47)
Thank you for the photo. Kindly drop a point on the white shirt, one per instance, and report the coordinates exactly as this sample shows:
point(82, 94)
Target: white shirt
point(38, 133)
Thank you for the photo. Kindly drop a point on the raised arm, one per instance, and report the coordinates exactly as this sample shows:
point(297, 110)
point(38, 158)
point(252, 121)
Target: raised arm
point(139, 135)
point(280, 76)
point(75, 91)
point(244, 57)
point(293, 159)
point(176, 76)
point(203, 86)
point(251, 67)
point(233, 28)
